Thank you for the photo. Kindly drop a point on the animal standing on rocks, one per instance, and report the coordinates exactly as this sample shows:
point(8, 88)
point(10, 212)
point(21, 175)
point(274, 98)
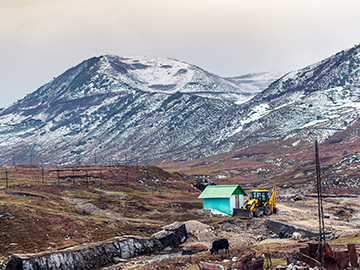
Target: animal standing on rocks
point(219, 244)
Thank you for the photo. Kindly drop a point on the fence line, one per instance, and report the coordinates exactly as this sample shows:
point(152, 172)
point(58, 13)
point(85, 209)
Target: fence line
point(69, 175)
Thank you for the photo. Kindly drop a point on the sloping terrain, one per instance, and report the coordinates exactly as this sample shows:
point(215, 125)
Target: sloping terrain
point(37, 216)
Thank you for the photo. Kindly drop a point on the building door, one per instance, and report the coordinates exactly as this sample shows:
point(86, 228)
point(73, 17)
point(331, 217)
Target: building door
point(237, 204)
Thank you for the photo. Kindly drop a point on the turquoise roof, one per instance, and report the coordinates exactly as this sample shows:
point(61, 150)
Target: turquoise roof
point(224, 191)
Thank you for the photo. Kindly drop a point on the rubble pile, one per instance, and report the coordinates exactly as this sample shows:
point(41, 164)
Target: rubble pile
point(247, 262)
point(317, 255)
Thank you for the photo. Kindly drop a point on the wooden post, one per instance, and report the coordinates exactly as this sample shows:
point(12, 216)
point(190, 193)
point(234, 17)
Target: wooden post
point(42, 174)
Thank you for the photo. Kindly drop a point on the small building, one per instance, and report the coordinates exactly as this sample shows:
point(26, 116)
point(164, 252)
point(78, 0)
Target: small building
point(223, 198)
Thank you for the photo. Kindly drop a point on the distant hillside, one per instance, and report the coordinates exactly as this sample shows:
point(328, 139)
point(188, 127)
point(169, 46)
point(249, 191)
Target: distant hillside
point(255, 82)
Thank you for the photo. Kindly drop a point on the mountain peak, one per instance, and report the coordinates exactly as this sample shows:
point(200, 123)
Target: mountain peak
point(339, 70)
point(112, 105)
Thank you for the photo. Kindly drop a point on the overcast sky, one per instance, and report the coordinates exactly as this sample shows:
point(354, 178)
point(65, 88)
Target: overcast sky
point(40, 39)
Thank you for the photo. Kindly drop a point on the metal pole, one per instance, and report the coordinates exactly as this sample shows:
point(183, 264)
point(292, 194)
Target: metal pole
point(320, 207)
point(42, 174)
point(58, 176)
point(147, 171)
point(6, 177)
point(126, 170)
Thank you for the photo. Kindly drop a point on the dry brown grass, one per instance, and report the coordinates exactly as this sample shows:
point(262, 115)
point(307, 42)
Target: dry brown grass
point(43, 220)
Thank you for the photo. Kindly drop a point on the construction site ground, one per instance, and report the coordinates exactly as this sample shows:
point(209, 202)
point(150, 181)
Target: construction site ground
point(341, 221)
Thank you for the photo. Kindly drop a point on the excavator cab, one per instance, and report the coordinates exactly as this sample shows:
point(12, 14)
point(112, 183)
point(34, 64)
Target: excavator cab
point(261, 195)
point(261, 201)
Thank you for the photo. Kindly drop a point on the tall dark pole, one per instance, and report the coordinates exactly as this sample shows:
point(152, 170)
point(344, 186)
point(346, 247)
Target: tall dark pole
point(126, 170)
point(6, 177)
point(87, 179)
point(42, 174)
point(320, 206)
point(147, 170)
point(58, 176)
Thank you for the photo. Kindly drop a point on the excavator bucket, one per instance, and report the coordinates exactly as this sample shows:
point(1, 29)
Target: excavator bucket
point(243, 213)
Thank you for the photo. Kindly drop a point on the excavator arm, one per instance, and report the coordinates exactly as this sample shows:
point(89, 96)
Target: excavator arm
point(272, 199)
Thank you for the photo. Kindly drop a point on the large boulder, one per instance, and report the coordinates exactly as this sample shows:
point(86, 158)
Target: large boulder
point(172, 235)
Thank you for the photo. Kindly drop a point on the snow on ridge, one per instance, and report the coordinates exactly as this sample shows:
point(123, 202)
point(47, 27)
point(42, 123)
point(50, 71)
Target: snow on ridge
point(166, 75)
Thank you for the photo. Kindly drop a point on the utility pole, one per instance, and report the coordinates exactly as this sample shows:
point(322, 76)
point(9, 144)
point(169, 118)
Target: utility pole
point(6, 177)
point(42, 174)
point(321, 244)
point(147, 171)
point(126, 170)
point(58, 176)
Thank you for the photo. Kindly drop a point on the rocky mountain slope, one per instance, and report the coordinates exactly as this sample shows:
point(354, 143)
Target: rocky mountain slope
point(312, 103)
point(108, 109)
point(109, 106)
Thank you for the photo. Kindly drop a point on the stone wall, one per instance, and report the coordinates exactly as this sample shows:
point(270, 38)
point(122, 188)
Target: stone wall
point(95, 255)
point(278, 227)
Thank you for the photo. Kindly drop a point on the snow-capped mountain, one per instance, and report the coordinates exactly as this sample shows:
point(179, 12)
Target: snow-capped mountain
point(161, 110)
point(315, 102)
point(110, 105)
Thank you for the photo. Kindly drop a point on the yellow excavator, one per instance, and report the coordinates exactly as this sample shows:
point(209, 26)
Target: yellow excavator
point(261, 201)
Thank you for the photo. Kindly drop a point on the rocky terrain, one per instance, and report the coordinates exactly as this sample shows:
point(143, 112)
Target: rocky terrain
point(45, 217)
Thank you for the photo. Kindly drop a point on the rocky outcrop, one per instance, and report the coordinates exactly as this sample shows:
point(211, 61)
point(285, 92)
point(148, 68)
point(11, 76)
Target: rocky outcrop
point(95, 255)
point(172, 235)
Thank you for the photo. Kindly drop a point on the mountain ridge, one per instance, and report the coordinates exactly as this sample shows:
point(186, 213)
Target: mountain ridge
point(132, 105)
